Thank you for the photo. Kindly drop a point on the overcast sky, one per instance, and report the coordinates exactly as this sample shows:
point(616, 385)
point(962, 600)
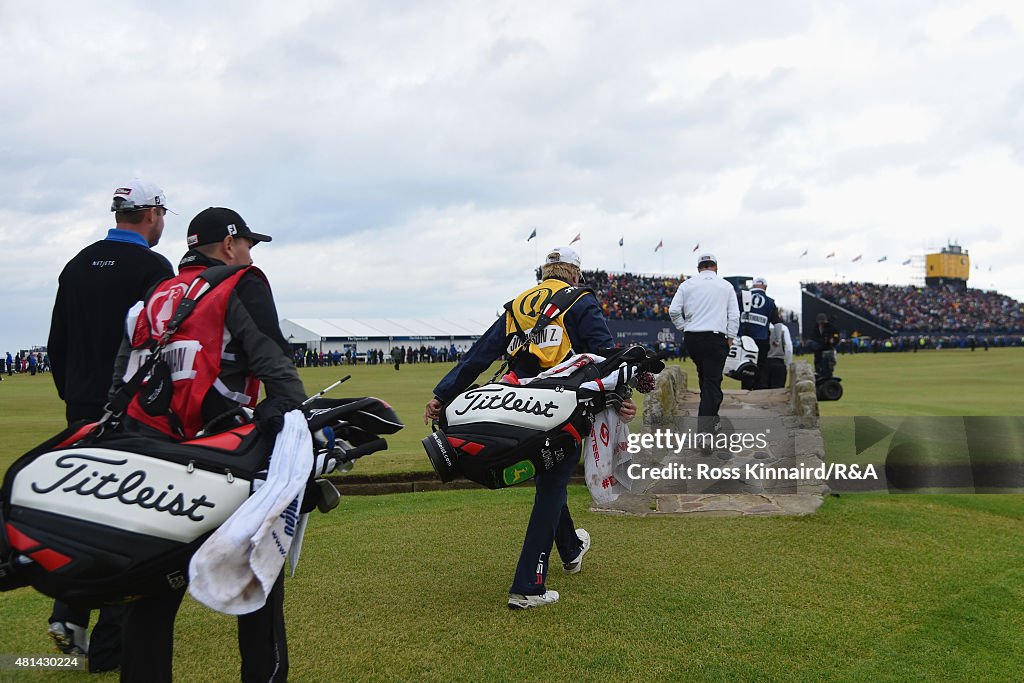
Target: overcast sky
point(400, 153)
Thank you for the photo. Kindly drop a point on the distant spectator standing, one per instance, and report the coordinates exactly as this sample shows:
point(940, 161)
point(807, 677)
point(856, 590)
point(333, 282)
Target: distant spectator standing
point(95, 291)
point(10, 364)
point(779, 358)
point(757, 314)
point(705, 309)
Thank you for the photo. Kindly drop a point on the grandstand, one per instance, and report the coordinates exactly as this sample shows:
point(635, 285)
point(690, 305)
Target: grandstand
point(625, 296)
point(890, 310)
point(946, 306)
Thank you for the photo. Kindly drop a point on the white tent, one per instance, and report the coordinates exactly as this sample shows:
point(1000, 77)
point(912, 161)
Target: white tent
point(360, 335)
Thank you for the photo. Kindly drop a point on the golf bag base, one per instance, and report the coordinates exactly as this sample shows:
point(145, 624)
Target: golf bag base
point(497, 456)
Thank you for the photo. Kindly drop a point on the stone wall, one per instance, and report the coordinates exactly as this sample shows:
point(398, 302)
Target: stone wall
point(787, 421)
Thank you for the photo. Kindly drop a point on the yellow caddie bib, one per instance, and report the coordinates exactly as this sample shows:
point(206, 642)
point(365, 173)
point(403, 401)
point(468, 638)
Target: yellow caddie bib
point(552, 344)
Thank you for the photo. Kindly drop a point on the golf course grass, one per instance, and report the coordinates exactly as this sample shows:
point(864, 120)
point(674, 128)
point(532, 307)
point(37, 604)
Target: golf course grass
point(412, 587)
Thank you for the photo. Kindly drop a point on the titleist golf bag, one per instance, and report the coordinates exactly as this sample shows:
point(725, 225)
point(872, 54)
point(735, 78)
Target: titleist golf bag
point(741, 363)
point(99, 516)
point(504, 433)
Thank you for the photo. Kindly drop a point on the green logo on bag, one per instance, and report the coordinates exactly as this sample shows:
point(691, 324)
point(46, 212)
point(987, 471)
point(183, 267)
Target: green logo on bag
point(521, 471)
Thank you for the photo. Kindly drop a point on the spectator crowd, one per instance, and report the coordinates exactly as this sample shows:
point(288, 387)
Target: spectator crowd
point(28, 362)
point(923, 317)
point(932, 310)
point(625, 296)
point(308, 358)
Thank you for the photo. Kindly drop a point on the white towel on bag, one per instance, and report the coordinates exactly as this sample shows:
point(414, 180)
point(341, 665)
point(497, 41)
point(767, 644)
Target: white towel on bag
point(235, 569)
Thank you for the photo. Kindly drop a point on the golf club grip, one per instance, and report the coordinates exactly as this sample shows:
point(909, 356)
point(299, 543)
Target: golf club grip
point(365, 449)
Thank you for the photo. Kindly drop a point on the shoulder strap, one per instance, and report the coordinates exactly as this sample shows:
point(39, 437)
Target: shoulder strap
point(560, 302)
point(204, 282)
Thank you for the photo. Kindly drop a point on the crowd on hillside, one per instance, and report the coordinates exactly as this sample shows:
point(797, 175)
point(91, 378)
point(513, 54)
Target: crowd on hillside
point(625, 296)
point(909, 309)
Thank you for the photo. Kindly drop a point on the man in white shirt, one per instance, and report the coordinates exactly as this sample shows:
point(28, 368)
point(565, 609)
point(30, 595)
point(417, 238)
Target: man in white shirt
point(705, 309)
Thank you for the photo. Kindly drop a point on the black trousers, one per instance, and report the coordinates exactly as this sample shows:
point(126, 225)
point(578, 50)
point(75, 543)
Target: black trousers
point(708, 351)
point(776, 373)
point(149, 639)
point(760, 378)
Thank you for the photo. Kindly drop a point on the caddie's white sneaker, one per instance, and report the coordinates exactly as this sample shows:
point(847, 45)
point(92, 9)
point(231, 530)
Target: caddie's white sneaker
point(576, 565)
point(517, 601)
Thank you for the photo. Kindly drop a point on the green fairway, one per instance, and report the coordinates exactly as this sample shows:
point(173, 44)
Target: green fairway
point(412, 587)
point(949, 382)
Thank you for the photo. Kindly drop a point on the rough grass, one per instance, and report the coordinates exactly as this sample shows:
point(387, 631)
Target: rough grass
point(412, 587)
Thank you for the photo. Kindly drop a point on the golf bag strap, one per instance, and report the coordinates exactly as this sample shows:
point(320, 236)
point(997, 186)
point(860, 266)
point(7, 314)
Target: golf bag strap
point(204, 283)
point(559, 303)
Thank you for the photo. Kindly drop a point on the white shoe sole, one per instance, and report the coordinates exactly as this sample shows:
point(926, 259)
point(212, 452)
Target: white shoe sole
point(517, 601)
point(576, 566)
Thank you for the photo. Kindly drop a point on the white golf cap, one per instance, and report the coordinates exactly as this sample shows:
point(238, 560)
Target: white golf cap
point(563, 255)
point(137, 195)
point(760, 281)
point(706, 258)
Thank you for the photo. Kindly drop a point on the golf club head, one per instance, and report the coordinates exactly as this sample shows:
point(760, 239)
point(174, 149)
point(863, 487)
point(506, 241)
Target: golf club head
point(329, 496)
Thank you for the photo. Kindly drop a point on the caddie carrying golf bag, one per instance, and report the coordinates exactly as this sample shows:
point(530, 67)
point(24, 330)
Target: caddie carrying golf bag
point(504, 433)
point(102, 518)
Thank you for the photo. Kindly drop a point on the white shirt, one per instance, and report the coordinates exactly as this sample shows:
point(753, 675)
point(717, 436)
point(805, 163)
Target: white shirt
point(780, 343)
point(705, 303)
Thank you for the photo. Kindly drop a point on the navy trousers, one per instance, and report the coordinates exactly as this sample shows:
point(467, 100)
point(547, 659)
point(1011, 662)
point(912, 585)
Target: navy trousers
point(550, 523)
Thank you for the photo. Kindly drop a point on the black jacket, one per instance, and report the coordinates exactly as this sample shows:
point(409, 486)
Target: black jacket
point(95, 291)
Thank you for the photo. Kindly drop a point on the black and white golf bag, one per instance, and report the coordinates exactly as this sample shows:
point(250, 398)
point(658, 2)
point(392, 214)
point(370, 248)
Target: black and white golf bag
point(504, 433)
point(102, 519)
point(741, 363)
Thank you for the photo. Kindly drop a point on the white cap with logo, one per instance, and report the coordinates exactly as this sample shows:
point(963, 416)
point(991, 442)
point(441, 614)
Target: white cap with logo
point(563, 255)
point(138, 195)
point(760, 282)
point(706, 258)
